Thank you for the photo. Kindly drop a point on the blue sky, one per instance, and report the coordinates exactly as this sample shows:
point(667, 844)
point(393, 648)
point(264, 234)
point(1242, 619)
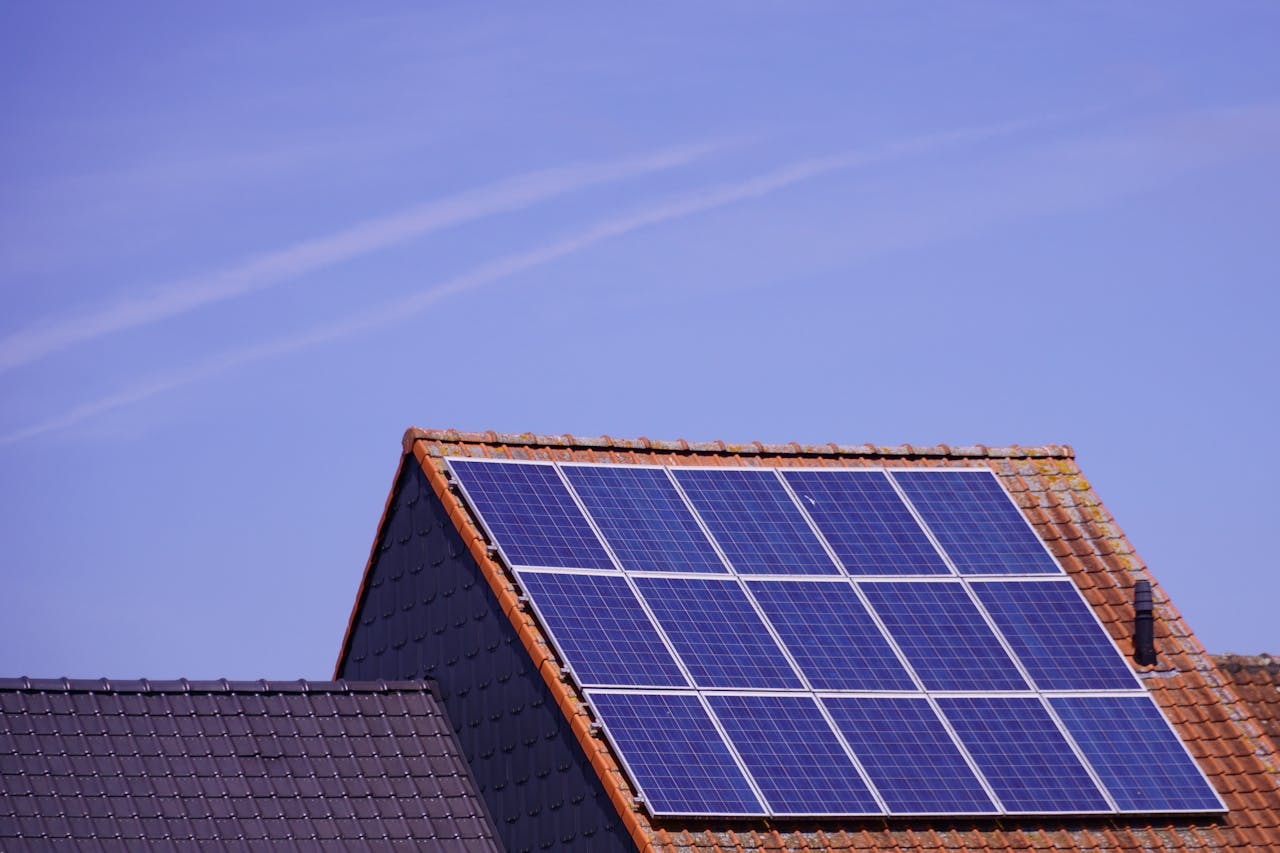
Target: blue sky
point(243, 248)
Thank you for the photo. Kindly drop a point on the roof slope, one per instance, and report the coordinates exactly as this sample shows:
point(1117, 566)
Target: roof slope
point(1256, 680)
point(99, 765)
point(1068, 515)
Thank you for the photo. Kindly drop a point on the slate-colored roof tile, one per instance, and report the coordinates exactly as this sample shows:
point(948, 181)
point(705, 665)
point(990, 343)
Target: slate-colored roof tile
point(1218, 727)
point(185, 765)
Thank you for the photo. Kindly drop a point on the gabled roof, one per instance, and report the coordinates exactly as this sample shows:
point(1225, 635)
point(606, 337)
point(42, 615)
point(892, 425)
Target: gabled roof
point(1256, 680)
point(187, 765)
point(1068, 515)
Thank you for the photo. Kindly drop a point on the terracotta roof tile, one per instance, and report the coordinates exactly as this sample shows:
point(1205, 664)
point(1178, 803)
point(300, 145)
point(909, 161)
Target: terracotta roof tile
point(1218, 725)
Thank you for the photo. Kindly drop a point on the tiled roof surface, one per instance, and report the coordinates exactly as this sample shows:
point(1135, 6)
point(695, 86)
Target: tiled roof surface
point(1047, 483)
point(1256, 680)
point(177, 765)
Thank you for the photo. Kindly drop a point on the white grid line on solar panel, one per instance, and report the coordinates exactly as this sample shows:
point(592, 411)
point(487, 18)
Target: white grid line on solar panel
point(944, 635)
point(990, 516)
point(1115, 758)
point(709, 622)
point(615, 733)
point(1058, 646)
point(865, 521)
point(886, 745)
point(813, 525)
point(589, 551)
point(616, 517)
point(603, 637)
point(1020, 758)
point(847, 653)
point(788, 758)
point(755, 521)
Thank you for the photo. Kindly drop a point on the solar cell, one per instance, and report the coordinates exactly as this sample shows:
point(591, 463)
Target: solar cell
point(1055, 635)
point(865, 522)
point(1022, 754)
point(675, 755)
point(530, 514)
point(793, 755)
point(717, 633)
point(909, 756)
point(1137, 756)
point(831, 635)
point(605, 635)
point(976, 522)
point(643, 518)
point(755, 522)
point(943, 635)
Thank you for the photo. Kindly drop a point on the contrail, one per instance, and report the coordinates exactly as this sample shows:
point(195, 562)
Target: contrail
point(502, 268)
point(274, 268)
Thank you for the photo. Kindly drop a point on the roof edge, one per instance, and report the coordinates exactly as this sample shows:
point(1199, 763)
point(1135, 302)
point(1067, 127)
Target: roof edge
point(26, 684)
point(606, 442)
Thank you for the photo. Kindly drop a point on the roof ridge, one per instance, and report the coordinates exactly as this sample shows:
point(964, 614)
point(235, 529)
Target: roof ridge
point(754, 448)
point(220, 685)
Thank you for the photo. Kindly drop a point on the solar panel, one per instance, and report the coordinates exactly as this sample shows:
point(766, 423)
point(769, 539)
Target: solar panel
point(755, 522)
point(675, 755)
point(1136, 754)
point(817, 691)
point(831, 635)
point(943, 635)
point(642, 517)
point(1023, 755)
point(865, 522)
point(793, 755)
point(530, 514)
point(604, 633)
point(1055, 635)
point(909, 756)
point(717, 633)
point(975, 521)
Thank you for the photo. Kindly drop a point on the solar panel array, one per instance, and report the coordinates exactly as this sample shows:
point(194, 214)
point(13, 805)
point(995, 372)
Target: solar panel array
point(830, 642)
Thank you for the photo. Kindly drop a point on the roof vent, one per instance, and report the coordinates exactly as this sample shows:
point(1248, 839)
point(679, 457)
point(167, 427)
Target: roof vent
point(1144, 644)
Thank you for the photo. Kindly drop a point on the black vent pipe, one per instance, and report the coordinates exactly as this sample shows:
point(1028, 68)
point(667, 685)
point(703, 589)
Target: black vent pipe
point(1144, 625)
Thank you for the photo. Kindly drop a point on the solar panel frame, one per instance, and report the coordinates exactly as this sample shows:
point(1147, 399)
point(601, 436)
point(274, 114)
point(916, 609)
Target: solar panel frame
point(504, 548)
point(1130, 682)
point(1058, 701)
point(593, 699)
point(820, 563)
point(713, 559)
point(1054, 568)
point(571, 662)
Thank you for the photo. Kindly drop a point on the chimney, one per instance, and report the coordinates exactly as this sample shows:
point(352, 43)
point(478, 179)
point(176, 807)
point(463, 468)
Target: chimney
point(1144, 643)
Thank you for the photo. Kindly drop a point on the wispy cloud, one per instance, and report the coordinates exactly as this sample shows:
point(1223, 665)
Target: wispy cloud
point(274, 268)
point(507, 266)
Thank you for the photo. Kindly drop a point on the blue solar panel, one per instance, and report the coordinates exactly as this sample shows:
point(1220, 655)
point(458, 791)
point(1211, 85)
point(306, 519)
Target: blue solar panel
point(792, 754)
point(675, 754)
point(1055, 635)
point(643, 519)
point(943, 635)
point(717, 633)
point(1023, 756)
point(830, 634)
point(755, 522)
point(909, 756)
point(604, 633)
point(975, 521)
point(531, 514)
point(865, 522)
point(1133, 751)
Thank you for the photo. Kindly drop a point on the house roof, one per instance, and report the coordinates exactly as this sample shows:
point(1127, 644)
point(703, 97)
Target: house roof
point(1066, 512)
point(1256, 680)
point(114, 765)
